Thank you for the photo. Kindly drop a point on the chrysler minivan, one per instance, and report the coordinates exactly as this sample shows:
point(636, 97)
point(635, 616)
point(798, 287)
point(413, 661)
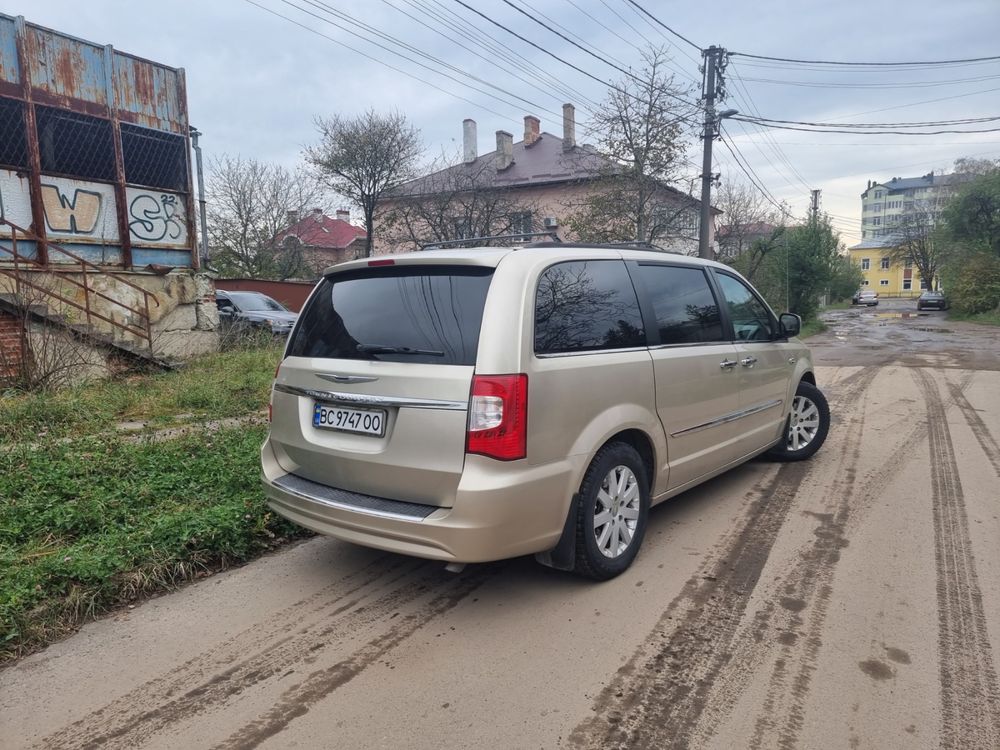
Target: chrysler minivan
point(478, 404)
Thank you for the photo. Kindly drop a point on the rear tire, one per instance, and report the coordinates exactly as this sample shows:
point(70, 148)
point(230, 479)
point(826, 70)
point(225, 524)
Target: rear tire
point(807, 426)
point(612, 512)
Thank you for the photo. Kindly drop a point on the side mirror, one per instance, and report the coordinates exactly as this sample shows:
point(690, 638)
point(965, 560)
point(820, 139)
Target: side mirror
point(790, 324)
point(227, 309)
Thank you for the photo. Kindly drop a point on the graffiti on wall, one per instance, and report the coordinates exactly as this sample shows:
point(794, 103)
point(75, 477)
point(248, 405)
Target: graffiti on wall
point(155, 220)
point(86, 212)
point(76, 215)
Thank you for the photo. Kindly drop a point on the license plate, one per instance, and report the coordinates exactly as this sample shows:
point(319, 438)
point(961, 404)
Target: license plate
point(349, 419)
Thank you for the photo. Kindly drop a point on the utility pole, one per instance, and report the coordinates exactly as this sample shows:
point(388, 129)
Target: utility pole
point(814, 210)
point(714, 63)
point(201, 196)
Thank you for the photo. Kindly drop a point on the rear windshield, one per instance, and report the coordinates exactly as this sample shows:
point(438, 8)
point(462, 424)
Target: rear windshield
point(428, 314)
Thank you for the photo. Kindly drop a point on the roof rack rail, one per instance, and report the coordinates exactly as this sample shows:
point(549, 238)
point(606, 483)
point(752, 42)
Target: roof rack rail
point(553, 239)
point(599, 245)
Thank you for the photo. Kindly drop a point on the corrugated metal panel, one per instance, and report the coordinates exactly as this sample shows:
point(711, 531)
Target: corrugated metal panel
point(152, 93)
point(65, 68)
point(8, 51)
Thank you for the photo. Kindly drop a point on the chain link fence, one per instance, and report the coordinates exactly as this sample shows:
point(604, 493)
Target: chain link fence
point(13, 135)
point(153, 158)
point(75, 145)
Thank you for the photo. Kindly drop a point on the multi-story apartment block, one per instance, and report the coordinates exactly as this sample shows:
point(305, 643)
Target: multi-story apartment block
point(886, 207)
point(884, 204)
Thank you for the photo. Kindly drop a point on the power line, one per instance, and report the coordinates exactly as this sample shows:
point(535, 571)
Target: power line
point(867, 64)
point(624, 71)
point(456, 22)
point(849, 85)
point(928, 123)
point(578, 68)
point(660, 23)
point(375, 59)
point(752, 176)
point(322, 6)
point(869, 132)
point(487, 58)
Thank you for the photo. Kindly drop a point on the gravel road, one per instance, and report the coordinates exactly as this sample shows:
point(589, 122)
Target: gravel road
point(849, 601)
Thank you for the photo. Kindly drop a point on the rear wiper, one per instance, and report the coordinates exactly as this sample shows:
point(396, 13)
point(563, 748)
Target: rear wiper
point(382, 349)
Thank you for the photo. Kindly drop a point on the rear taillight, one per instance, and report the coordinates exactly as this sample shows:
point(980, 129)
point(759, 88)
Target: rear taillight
point(270, 403)
point(498, 417)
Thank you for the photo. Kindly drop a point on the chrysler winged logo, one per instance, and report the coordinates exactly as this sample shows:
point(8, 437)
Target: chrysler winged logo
point(336, 378)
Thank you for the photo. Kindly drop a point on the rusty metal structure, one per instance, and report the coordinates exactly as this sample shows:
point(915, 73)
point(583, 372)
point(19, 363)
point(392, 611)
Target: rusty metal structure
point(95, 178)
point(99, 140)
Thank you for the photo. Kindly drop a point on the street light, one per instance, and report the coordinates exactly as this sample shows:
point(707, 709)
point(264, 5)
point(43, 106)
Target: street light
point(712, 121)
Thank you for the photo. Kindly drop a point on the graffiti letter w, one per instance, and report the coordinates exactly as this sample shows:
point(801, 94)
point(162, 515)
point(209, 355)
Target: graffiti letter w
point(76, 216)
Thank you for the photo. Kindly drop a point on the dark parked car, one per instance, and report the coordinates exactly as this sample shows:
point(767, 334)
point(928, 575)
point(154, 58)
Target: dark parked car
point(935, 300)
point(254, 310)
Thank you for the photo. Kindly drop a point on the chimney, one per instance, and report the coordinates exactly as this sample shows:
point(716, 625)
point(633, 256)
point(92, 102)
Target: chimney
point(505, 150)
point(532, 126)
point(569, 127)
point(344, 214)
point(293, 217)
point(469, 144)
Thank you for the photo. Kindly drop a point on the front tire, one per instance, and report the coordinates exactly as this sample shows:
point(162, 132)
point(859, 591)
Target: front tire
point(807, 426)
point(612, 512)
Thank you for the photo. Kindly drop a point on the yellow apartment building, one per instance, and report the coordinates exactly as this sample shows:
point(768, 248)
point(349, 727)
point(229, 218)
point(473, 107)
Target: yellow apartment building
point(883, 274)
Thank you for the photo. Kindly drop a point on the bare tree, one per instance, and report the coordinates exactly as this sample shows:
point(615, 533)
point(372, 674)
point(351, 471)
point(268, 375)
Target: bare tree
point(746, 218)
point(363, 157)
point(641, 129)
point(916, 242)
point(454, 201)
point(250, 204)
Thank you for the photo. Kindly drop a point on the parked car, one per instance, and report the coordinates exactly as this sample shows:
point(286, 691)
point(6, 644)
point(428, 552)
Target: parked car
point(254, 310)
point(479, 404)
point(865, 297)
point(935, 300)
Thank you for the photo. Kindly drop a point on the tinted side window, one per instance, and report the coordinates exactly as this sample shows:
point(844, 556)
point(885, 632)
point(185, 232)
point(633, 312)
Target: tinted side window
point(419, 313)
point(586, 306)
point(685, 308)
point(751, 320)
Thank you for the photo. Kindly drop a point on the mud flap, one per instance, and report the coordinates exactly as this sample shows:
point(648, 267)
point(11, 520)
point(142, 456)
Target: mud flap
point(563, 555)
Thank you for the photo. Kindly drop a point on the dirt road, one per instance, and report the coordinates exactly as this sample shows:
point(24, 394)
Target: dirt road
point(850, 601)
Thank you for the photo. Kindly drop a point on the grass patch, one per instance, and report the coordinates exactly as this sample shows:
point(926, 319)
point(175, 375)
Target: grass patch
point(841, 305)
point(811, 328)
point(991, 318)
point(94, 523)
point(214, 386)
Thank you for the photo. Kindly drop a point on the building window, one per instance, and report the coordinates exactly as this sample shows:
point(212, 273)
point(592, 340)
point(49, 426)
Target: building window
point(908, 264)
point(885, 264)
point(878, 194)
point(877, 208)
point(923, 284)
point(75, 145)
point(907, 284)
point(877, 221)
point(13, 139)
point(864, 282)
point(866, 264)
point(520, 222)
point(154, 159)
point(883, 282)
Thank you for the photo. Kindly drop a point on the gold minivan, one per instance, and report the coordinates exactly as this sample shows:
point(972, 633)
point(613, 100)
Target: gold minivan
point(479, 404)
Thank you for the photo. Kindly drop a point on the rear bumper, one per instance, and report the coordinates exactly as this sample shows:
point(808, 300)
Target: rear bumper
point(501, 510)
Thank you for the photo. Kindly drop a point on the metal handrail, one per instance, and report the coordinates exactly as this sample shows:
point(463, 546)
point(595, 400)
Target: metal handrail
point(146, 332)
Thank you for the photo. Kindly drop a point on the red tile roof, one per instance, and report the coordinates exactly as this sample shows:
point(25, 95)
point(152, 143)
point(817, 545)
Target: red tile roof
point(319, 230)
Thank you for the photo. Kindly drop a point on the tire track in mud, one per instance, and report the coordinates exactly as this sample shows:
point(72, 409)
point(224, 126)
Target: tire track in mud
point(298, 699)
point(970, 694)
point(809, 589)
point(982, 433)
point(658, 698)
point(252, 659)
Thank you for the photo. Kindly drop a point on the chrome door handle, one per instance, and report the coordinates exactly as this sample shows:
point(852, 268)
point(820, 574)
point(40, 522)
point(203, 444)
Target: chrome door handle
point(727, 364)
point(748, 361)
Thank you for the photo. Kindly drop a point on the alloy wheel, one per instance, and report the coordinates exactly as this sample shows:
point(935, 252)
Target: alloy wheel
point(616, 512)
point(803, 423)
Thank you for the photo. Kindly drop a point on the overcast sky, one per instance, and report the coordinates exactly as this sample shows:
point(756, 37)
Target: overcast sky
point(255, 80)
